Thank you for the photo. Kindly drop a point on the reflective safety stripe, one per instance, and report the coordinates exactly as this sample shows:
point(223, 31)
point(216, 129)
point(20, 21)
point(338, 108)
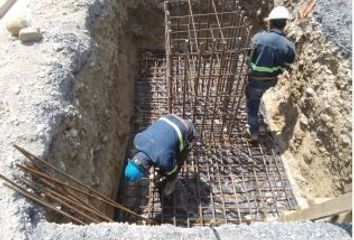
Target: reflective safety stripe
point(172, 171)
point(178, 132)
point(265, 69)
point(182, 121)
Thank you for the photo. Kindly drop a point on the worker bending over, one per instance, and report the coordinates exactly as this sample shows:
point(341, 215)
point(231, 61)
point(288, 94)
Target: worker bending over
point(164, 145)
point(271, 53)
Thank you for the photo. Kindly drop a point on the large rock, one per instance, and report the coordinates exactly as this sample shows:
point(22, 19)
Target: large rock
point(30, 34)
point(15, 24)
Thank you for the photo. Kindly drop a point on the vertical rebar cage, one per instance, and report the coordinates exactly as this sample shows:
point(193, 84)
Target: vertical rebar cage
point(207, 43)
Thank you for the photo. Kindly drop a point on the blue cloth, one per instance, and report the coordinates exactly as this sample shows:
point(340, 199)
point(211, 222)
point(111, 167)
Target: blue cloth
point(133, 172)
point(161, 143)
point(254, 92)
point(272, 53)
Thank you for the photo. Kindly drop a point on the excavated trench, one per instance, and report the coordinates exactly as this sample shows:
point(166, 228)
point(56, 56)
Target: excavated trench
point(226, 178)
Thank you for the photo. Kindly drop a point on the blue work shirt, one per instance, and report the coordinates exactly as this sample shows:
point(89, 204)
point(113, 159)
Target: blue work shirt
point(272, 53)
point(161, 143)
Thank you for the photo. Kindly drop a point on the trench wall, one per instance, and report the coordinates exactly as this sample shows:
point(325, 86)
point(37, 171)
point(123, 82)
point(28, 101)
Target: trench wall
point(91, 144)
point(310, 108)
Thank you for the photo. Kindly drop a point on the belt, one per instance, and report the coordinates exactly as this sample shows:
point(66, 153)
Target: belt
point(263, 78)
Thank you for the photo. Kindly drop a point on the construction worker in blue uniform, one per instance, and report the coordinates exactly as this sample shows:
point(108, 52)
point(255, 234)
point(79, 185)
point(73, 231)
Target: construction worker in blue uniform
point(164, 145)
point(271, 53)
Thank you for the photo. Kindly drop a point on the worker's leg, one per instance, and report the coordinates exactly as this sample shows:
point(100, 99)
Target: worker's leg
point(254, 92)
point(253, 96)
point(170, 182)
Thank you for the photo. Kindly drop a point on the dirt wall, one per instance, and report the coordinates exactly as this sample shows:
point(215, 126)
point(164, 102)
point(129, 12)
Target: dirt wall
point(310, 108)
point(91, 143)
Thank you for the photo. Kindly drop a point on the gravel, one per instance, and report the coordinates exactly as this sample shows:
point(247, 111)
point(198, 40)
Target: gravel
point(261, 231)
point(336, 19)
point(36, 90)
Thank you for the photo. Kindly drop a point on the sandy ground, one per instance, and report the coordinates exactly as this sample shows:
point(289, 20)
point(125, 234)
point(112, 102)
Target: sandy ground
point(38, 85)
point(261, 231)
point(35, 85)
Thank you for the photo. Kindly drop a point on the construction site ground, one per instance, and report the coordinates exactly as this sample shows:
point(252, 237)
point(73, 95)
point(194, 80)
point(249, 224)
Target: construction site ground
point(62, 101)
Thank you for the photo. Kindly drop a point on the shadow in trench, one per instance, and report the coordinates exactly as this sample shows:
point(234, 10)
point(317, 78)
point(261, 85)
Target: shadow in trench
point(290, 113)
point(183, 207)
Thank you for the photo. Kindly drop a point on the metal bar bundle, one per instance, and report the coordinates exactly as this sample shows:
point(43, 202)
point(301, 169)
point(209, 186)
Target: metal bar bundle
point(66, 198)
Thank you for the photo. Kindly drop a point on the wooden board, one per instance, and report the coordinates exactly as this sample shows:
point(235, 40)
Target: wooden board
point(329, 208)
point(5, 5)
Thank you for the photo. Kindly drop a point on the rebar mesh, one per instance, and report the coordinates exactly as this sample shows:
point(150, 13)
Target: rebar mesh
point(201, 75)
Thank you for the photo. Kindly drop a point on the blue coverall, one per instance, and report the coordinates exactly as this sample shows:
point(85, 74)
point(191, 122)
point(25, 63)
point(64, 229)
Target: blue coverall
point(163, 144)
point(272, 53)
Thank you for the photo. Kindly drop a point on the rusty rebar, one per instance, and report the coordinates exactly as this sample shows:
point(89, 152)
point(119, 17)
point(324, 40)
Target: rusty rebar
point(98, 196)
point(209, 46)
point(15, 187)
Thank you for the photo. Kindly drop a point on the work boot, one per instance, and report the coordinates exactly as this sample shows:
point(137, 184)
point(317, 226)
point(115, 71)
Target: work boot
point(169, 187)
point(254, 137)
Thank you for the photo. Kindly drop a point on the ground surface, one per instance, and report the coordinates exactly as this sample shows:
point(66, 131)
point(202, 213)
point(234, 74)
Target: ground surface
point(35, 86)
point(261, 231)
point(39, 86)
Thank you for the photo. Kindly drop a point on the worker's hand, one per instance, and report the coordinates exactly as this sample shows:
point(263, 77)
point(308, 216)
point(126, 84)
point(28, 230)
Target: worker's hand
point(160, 177)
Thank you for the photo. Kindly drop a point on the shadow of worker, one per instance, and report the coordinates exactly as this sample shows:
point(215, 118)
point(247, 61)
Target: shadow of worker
point(183, 206)
point(290, 114)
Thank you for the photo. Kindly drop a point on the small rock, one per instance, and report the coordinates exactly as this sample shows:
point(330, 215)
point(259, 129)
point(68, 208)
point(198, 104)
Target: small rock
point(59, 47)
point(310, 92)
point(42, 74)
point(30, 34)
point(304, 120)
point(326, 118)
point(346, 141)
point(15, 24)
point(17, 90)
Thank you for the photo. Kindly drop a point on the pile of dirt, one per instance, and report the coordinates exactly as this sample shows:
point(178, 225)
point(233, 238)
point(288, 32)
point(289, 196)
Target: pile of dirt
point(310, 108)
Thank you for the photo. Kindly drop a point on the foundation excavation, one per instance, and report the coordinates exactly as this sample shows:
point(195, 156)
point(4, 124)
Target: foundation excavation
point(199, 71)
point(201, 75)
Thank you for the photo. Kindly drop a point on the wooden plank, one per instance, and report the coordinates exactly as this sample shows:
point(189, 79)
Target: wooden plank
point(5, 5)
point(329, 208)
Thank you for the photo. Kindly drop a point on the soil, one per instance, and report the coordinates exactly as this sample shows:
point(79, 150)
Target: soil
point(68, 97)
point(310, 108)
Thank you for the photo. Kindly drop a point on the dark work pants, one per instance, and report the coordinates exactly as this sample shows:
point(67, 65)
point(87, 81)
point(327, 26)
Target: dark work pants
point(181, 158)
point(254, 92)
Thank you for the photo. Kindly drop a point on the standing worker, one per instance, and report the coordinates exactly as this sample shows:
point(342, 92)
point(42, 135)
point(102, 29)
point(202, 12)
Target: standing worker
point(271, 53)
point(164, 145)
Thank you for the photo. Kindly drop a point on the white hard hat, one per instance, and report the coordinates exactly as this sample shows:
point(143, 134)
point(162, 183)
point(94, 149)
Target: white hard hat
point(279, 12)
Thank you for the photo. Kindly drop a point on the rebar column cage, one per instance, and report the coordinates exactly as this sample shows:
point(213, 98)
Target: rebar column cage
point(207, 43)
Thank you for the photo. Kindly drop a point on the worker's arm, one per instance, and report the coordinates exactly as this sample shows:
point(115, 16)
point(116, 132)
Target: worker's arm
point(252, 46)
point(290, 57)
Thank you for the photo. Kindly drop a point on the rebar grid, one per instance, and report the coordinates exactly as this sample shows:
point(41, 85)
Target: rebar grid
point(225, 179)
point(207, 43)
point(228, 181)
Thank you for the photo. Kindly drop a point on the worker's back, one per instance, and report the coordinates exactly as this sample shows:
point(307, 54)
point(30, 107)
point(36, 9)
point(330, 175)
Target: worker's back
point(160, 141)
point(273, 51)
